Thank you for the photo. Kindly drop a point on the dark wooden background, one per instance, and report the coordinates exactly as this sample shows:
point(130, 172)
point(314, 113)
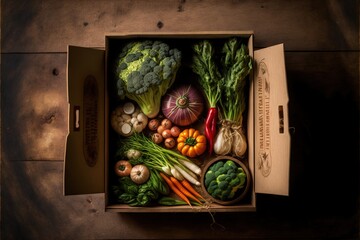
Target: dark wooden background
point(322, 58)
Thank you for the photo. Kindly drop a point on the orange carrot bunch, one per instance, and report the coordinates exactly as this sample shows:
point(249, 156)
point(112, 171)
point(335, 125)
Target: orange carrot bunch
point(183, 189)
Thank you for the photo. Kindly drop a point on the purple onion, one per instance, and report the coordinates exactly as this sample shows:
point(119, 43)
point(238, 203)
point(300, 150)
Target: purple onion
point(183, 105)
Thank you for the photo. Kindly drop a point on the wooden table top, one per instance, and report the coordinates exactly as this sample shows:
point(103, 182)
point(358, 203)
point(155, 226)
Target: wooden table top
point(321, 41)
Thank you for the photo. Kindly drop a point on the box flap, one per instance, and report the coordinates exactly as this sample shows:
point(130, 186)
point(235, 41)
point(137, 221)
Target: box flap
point(272, 139)
point(84, 155)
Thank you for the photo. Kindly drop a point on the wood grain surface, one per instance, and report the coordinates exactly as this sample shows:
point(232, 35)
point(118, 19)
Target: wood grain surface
point(321, 40)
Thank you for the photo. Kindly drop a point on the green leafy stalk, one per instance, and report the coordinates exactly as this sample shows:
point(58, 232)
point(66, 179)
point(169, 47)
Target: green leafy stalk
point(237, 65)
point(209, 75)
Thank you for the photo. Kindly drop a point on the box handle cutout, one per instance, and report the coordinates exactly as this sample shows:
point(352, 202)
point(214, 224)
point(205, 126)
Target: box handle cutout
point(77, 118)
point(281, 119)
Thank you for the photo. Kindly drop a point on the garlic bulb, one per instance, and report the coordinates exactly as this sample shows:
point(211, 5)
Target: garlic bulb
point(223, 140)
point(239, 144)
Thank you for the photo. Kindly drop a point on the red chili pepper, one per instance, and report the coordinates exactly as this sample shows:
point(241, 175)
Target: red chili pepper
point(210, 127)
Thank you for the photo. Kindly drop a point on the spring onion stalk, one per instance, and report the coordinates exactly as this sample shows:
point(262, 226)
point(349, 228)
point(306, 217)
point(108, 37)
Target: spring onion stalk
point(158, 157)
point(186, 170)
point(190, 165)
point(176, 174)
point(187, 176)
point(166, 169)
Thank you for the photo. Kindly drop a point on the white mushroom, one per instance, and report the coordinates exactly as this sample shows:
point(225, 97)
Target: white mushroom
point(126, 118)
point(126, 129)
point(133, 120)
point(138, 127)
point(129, 108)
point(141, 117)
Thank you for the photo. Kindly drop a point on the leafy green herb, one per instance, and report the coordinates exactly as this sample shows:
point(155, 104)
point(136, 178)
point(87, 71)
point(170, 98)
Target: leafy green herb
point(130, 193)
point(237, 65)
point(209, 76)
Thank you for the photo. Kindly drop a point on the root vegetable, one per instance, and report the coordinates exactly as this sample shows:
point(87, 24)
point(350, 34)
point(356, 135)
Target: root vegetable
point(176, 174)
point(157, 138)
point(188, 186)
point(175, 189)
point(190, 165)
point(139, 174)
point(175, 131)
point(170, 142)
point(187, 176)
point(160, 129)
point(166, 169)
point(153, 124)
point(184, 190)
point(166, 123)
point(166, 133)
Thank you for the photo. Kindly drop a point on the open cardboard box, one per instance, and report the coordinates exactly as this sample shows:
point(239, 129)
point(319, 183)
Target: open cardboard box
point(87, 167)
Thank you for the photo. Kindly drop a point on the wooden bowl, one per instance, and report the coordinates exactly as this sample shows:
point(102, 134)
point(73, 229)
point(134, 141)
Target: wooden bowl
point(241, 193)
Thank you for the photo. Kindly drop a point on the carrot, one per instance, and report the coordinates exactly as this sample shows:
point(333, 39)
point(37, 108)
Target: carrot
point(175, 189)
point(184, 190)
point(188, 186)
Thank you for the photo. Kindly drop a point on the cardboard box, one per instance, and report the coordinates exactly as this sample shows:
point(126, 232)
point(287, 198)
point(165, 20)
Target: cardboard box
point(87, 167)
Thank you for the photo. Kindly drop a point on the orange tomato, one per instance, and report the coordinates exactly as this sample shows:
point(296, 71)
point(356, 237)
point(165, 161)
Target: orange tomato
point(123, 168)
point(191, 143)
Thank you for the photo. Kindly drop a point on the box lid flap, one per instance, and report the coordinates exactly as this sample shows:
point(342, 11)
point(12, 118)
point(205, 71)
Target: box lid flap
point(84, 155)
point(272, 139)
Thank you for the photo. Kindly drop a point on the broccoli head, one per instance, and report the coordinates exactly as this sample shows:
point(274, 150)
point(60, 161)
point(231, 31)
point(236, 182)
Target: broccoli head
point(145, 71)
point(223, 180)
